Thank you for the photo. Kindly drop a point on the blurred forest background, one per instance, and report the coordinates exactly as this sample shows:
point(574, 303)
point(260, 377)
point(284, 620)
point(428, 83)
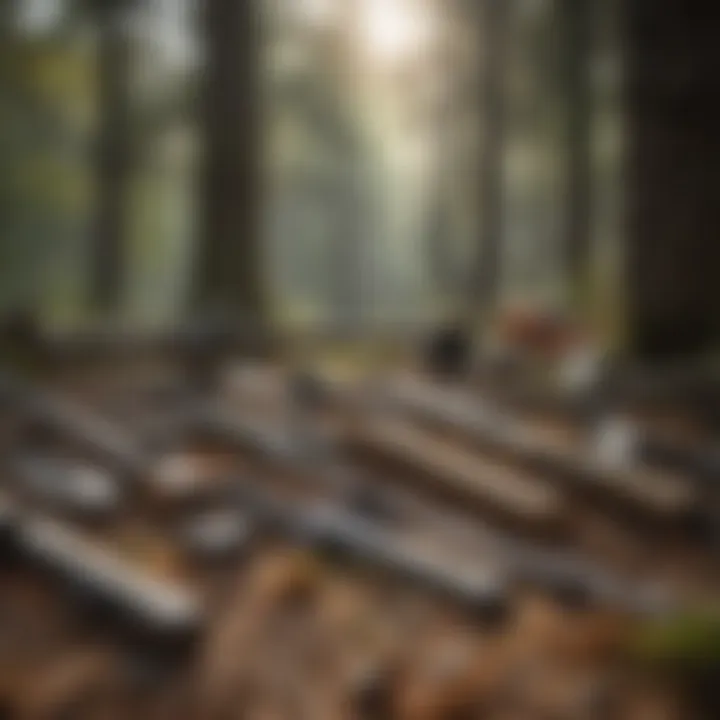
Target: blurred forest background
point(378, 131)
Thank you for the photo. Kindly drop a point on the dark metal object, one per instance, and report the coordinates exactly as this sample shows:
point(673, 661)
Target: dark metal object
point(9, 522)
point(449, 352)
point(371, 694)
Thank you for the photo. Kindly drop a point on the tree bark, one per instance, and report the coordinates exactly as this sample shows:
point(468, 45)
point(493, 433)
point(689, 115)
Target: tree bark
point(673, 175)
point(489, 263)
point(9, 11)
point(348, 252)
point(229, 278)
point(576, 17)
point(113, 163)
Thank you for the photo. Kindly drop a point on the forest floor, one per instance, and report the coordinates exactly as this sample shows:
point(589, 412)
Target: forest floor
point(396, 563)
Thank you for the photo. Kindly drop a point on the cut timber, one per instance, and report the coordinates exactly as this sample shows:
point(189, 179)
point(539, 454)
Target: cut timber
point(263, 439)
point(67, 486)
point(701, 462)
point(333, 531)
point(154, 607)
point(461, 475)
point(180, 479)
point(216, 536)
point(80, 425)
point(472, 584)
point(653, 493)
point(661, 495)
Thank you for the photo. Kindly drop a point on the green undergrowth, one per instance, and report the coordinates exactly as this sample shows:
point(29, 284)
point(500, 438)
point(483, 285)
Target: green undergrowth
point(686, 643)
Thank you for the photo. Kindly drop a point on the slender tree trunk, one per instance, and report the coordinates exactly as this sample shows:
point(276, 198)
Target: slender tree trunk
point(348, 252)
point(437, 230)
point(113, 163)
point(494, 22)
point(350, 257)
point(673, 176)
point(9, 10)
point(437, 238)
point(229, 278)
point(576, 18)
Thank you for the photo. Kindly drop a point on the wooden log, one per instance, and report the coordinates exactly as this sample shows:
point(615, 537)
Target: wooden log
point(516, 498)
point(369, 536)
point(329, 529)
point(66, 486)
point(479, 587)
point(157, 609)
point(101, 438)
point(464, 578)
point(576, 582)
point(651, 493)
point(688, 391)
point(699, 462)
point(263, 439)
point(181, 481)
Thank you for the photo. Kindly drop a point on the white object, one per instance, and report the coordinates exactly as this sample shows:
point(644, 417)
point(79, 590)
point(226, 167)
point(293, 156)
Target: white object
point(579, 370)
point(616, 443)
point(218, 532)
point(177, 474)
point(94, 488)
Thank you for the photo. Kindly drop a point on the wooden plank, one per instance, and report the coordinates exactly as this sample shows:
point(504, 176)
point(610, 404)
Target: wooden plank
point(332, 530)
point(454, 472)
point(80, 425)
point(68, 486)
point(660, 494)
point(158, 607)
point(461, 475)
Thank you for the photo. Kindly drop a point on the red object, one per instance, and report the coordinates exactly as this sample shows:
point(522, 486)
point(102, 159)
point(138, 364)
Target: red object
point(538, 332)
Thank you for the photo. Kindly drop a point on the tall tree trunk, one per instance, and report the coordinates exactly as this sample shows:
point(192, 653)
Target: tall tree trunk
point(438, 238)
point(9, 10)
point(486, 282)
point(229, 279)
point(113, 162)
point(348, 253)
point(437, 226)
point(576, 18)
point(673, 175)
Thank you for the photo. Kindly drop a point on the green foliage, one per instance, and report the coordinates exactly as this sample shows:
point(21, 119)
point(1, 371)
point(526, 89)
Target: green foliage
point(686, 643)
point(44, 104)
